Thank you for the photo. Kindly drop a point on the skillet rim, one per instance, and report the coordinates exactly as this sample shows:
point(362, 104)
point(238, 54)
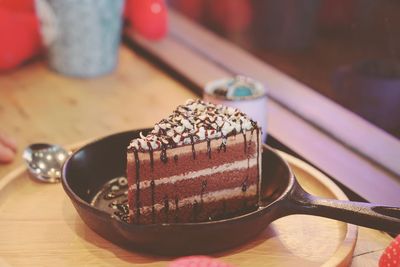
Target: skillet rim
point(84, 204)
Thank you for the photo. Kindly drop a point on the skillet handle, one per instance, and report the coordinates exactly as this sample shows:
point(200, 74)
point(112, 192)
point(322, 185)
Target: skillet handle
point(374, 216)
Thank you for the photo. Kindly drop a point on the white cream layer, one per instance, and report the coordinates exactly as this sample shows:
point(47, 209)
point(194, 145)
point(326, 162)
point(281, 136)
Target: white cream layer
point(237, 165)
point(207, 198)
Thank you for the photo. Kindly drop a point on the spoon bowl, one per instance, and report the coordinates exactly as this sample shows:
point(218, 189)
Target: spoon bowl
point(44, 161)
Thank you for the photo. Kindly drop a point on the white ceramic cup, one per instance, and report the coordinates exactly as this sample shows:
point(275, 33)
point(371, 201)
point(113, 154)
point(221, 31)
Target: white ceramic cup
point(254, 106)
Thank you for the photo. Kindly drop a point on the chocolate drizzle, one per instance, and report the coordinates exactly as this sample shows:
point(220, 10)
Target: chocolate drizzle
point(112, 198)
point(245, 142)
point(193, 149)
point(123, 213)
point(222, 146)
point(122, 207)
point(247, 147)
point(244, 184)
point(258, 159)
point(166, 207)
point(152, 184)
point(153, 210)
point(209, 148)
point(114, 204)
point(151, 157)
point(137, 165)
point(163, 155)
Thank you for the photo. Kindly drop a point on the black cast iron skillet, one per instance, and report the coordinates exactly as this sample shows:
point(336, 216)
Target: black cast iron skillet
point(89, 168)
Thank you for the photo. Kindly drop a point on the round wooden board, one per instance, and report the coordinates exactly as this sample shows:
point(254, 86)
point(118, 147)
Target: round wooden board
point(40, 227)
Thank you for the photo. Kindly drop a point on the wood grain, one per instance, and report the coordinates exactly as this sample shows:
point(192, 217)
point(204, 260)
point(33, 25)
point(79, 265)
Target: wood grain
point(38, 221)
point(38, 105)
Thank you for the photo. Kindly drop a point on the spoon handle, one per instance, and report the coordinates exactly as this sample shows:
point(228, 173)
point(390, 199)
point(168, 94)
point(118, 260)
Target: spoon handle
point(379, 217)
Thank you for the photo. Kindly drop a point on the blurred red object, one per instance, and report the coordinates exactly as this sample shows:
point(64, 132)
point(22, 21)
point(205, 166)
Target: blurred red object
point(232, 16)
point(198, 261)
point(19, 33)
point(19, 38)
point(391, 255)
point(148, 17)
point(19, 5)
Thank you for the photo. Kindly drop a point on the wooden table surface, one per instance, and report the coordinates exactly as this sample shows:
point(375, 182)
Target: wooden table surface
point(39, 105)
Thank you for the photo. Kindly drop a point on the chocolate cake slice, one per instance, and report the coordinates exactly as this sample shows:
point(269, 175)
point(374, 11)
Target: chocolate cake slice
point(201, 163)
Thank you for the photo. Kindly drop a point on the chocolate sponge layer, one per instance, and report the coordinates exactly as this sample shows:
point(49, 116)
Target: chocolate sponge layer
point(158, 202)
point(191, 158)
point(197, 186)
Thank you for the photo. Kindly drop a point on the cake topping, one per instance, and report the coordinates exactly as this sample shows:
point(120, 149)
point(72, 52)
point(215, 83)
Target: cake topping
point(194, 121)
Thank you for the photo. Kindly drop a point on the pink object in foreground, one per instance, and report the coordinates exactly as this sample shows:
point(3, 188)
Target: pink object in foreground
point(198, 261)
point(391, 255)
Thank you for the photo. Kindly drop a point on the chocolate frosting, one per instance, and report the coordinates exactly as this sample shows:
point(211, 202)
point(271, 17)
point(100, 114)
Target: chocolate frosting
point(195, 121)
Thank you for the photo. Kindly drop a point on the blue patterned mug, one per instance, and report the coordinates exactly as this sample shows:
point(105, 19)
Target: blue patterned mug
point(82, 36)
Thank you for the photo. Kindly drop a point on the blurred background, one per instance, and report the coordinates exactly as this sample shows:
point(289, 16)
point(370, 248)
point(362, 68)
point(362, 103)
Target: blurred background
point(347, 50)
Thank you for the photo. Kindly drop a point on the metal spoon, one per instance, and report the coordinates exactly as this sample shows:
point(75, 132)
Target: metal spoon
point(44, 161)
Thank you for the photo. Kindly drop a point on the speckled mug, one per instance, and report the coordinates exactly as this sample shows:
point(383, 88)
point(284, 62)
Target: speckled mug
point(85, 35)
